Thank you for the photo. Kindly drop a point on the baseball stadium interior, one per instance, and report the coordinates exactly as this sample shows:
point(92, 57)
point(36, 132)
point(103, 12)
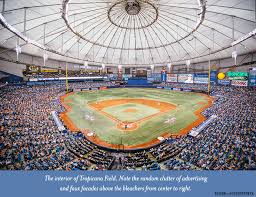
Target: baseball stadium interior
point(127, 85)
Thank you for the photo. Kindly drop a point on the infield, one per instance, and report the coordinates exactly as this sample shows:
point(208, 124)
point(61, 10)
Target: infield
point(151, 113)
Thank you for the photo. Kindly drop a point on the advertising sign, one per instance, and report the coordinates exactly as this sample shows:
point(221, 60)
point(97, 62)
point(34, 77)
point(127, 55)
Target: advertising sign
point(112, 77)
point(33, 69)
point(252, 77)
point(239, 76)
point(185, 78)
point(201, 78)
point(173, 78)
point(150, 79)
point(126, 76)
point(239, 83)
point(224, 82)
point(49, 71)
point(176, 89)
point(157, 77)
point(213, 76)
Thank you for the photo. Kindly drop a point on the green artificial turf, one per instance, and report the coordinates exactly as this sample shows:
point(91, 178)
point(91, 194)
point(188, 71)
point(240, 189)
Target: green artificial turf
point(186, 104)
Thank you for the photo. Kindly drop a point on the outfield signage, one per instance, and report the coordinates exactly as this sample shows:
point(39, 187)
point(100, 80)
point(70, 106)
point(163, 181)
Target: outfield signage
point(239, 83)
point(239, 76)
point(213, 77)
point(112, 77)
point(201, 78)
point(157, 77)
point(252, 78)
point(185, 78)
point(177, 89)
point(224, 82)
point(65, 78)
point(173, 78)
point(127, 76)
point(49, 70)
point(150, 79)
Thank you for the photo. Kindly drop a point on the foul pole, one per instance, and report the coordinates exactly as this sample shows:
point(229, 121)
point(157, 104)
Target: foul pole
point(67, 87)
point(209, 73)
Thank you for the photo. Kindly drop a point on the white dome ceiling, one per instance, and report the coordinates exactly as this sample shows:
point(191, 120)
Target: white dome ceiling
point(130, 32)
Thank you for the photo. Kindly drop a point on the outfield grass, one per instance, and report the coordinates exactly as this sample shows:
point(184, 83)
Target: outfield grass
point(186, 104)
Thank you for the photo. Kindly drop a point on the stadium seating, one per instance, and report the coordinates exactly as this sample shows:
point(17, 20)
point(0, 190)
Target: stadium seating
point(30, 140)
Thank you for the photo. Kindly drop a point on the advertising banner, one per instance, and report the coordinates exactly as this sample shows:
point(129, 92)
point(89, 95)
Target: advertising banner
point(238, 76)
point(185, 78)
point(224, 82)
point(49, 70)
point(213, 77)
point(173, 78)
point(176, 89)
point(112, 77)
point(33, 69)
point(252, 77)
point(157, 77)
point(126, 76)
point(239, 83)
point(150, 79)
point(201, 78)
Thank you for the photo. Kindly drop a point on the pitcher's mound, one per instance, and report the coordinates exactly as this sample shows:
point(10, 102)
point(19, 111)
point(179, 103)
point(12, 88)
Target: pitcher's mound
point(130, 110)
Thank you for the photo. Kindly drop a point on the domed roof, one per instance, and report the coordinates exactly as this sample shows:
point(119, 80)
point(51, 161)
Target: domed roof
point(129, 32)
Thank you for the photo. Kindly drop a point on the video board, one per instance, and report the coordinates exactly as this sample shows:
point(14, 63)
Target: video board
point(186, 78)
point(172, 78)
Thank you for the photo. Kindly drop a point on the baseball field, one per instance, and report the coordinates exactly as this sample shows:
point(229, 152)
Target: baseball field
point(133, 118)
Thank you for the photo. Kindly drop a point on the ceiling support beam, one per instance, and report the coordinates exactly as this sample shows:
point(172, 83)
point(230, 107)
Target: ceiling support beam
point(44, 33)
point(3, 6)
point(25, 21)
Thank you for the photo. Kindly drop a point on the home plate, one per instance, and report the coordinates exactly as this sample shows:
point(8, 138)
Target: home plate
point(161, 138)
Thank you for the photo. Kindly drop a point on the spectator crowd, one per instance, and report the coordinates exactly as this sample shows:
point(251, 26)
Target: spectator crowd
point(30, 140)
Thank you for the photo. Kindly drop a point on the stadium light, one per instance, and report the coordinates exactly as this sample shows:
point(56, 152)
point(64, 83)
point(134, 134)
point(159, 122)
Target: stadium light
point(45, 57)
point(103, 66)
point(85, 65)
point(169, 66)
point(234, 55)
point(188, 64)
point(18, 51)
point(152, 67)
